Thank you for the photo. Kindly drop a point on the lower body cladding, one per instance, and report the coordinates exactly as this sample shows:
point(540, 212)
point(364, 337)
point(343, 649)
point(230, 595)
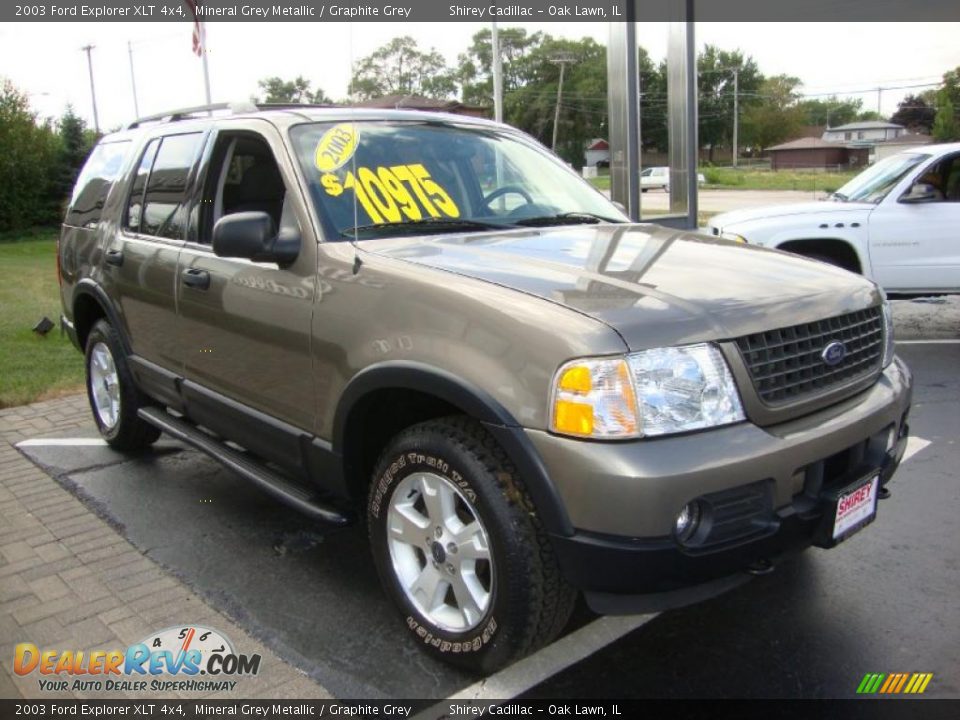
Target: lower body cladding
point(670, 521)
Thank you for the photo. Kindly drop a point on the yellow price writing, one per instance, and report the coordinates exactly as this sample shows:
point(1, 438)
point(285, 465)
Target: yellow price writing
point(389, 194)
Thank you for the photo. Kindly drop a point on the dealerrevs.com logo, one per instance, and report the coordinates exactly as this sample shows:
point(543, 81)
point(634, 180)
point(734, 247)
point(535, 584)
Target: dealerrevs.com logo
point(183, 658)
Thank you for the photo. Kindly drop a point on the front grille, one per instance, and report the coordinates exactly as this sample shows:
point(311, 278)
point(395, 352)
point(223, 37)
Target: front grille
point(786, 364)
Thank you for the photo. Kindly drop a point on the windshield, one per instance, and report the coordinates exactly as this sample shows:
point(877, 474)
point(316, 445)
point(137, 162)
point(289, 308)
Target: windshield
point(374, 179)
point(873, 184)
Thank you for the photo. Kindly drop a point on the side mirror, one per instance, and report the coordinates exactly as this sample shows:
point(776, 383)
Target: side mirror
point(921, 192)
point(252, 235)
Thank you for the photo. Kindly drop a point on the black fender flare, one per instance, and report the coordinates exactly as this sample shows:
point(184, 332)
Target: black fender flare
point(473, 401)
point(88, 287)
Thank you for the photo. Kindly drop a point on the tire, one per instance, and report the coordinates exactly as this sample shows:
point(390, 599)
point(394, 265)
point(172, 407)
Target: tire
point(519, 601)
point(113, 395)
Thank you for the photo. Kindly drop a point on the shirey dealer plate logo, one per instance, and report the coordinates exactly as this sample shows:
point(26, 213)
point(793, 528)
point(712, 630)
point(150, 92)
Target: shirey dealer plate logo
point(182, 658)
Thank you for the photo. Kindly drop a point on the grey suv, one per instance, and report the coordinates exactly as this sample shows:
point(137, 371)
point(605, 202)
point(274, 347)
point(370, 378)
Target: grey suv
point(429, 324)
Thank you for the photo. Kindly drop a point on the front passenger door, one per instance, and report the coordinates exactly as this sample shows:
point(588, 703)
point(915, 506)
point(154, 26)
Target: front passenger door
point(245, 326)
point(916, 246)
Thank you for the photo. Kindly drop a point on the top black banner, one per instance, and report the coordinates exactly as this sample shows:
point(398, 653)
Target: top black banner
point(506, 11)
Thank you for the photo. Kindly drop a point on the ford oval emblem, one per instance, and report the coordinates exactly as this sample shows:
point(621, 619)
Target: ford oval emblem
point(834, 353)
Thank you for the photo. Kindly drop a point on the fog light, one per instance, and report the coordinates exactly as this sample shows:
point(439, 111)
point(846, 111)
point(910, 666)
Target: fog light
point(687, 522)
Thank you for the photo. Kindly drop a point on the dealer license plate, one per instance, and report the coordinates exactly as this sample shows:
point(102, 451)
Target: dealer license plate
point(855, 509)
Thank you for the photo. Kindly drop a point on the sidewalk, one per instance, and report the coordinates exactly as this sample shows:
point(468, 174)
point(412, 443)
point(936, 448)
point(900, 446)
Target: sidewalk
point(69, 581)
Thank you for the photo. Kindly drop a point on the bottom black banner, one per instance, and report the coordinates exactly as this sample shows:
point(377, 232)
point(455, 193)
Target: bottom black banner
point(873, 709)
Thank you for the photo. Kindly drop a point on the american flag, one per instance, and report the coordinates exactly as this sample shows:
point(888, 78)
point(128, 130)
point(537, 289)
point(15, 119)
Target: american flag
point(197, 27)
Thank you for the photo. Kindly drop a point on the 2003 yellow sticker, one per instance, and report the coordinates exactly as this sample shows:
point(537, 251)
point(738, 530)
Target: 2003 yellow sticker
point(336, 147)
point(389, 194)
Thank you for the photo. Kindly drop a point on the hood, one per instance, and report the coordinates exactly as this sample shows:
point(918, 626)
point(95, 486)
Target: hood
point(655, 286)
point(731, 219)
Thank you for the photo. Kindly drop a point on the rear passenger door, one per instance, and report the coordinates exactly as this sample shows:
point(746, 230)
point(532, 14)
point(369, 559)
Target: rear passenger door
point(244, 325)
point(140, 259)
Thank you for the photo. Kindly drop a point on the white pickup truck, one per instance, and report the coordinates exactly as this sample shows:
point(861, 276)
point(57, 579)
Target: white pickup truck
point(897, 222)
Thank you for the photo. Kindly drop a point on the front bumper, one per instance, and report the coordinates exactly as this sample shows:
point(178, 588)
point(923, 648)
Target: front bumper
point(771, 487)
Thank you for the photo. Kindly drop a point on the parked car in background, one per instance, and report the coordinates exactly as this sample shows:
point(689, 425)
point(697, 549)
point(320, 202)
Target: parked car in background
point(897, 222)
point(658, 178)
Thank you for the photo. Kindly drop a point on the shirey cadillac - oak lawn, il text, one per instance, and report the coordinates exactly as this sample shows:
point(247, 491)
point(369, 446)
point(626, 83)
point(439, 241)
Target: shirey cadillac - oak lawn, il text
point(429, 323)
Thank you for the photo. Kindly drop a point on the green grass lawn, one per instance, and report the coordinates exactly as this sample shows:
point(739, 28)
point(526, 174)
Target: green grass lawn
point(33, 367)
point(742, 179)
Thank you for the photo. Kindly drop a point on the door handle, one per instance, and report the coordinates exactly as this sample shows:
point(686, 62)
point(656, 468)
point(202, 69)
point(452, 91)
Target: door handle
point(197, 279)
point(115, 257)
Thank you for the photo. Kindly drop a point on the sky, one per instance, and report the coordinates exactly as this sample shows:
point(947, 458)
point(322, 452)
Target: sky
point(45, 60)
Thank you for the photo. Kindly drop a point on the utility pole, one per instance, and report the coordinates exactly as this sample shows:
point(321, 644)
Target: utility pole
point(879, 96)
point(497, 74)
point(560, 59)
point(133, 82)
point(93, 92)
point(736, 113)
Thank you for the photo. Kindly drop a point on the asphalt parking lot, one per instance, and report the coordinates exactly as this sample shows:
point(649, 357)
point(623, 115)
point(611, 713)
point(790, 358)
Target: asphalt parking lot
point(884, 601)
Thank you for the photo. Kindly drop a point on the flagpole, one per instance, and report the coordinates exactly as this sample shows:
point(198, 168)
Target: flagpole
point(133, 81)
point(206, 68)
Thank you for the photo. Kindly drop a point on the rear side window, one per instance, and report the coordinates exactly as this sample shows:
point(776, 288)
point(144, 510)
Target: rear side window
point(135, 205)
point(93, 185)
point(158, 197)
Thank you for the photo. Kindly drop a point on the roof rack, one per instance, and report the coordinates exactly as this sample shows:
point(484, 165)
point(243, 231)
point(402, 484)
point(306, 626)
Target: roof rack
point(186, 113)
point(234, 108)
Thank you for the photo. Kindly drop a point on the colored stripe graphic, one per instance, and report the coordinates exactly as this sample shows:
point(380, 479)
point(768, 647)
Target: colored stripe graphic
point(870, 683)
point(894, 683)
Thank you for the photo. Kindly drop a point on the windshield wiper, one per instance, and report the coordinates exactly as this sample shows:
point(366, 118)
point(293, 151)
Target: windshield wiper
point(414, 227)
point(567, 218)
point(839, 196)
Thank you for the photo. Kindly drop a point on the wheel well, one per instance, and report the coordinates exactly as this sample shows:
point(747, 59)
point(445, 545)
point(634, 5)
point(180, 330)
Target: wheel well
point(377, 417)
point(839, 251)
point(86, 311)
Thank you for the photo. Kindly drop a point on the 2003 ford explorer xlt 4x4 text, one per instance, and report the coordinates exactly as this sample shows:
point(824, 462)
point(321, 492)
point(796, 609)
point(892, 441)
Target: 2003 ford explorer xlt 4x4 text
point(429, 322)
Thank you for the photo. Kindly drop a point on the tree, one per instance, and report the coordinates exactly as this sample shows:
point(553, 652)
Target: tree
point(777, 117)
point(76, 142)
point(29, 154)
point(715, 69)
point(951, 87)
point(654, 125)
point(831, 111)
point(399, 68)
point(474, 68)
point(915, 114)
point(292, 91)
point(945, 126)
point(531, 74)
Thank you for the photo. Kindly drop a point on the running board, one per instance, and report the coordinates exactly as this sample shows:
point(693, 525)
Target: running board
point(261, 476)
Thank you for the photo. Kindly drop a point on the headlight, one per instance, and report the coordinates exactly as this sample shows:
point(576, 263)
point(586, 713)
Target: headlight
point(887, 332)
point(595, 398)
point(654, 392)
point(734, 237)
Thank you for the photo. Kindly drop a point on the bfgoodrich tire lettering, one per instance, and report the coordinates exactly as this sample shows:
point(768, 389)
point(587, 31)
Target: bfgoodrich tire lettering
point(522, 601)
point(114, 397)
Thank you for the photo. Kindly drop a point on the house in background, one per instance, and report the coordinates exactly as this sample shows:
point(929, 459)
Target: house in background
point(907, 141)
point(597, 153)
point(865, 132)
point(816, 154)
